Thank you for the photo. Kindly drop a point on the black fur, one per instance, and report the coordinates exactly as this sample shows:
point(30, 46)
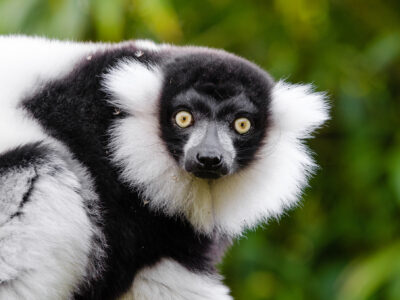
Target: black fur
point(22, 157)
point(75, 110)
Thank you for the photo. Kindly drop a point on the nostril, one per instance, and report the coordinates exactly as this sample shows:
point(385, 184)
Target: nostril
point(215, 160)
point(209, 160)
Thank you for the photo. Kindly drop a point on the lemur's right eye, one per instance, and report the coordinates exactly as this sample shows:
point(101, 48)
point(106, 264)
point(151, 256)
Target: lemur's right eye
point(184, 119)
point(242, 125)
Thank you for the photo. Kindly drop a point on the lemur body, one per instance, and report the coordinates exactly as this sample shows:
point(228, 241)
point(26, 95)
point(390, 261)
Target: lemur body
point(106, 192)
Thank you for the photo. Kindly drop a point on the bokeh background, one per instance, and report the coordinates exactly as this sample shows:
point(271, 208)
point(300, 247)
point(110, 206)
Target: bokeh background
point(343, 242)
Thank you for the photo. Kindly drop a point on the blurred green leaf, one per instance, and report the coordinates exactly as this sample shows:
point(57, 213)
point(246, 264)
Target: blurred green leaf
point(365, 277)
point(160, 18)
point(109, 19)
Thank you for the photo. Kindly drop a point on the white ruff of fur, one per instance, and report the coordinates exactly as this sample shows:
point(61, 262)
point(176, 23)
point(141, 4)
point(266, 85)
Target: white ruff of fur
point(271, 184)
point(274, 182)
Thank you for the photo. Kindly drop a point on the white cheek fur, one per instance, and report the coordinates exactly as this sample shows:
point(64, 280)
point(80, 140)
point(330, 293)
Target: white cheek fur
point(195, 138)
point(265, 189)
point(275, 181)
point(227, 144)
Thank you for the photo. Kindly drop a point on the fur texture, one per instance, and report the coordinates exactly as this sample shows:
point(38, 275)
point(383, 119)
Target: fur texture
point(23, 73)
point(170, 281)
point(49, 246)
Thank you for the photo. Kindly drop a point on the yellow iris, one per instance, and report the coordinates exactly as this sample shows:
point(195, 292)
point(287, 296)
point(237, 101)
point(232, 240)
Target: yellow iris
point(242, 125)
point(184, 119)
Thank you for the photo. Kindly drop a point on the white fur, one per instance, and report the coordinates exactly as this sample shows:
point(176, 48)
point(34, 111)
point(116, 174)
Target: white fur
point(231, 204)
point(168, 280)
point(227, 144)
point(147, 45)
point(92, 207)
point(44, 252)
point(13, 186)
point(297, 109)
point(134, 86)
point(195, 137)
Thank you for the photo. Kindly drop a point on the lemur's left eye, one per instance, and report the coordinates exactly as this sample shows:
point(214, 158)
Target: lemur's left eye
point(184, 119)
point(242, 125)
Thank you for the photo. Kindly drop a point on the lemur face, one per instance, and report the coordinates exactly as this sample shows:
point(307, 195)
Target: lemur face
point(214, 116)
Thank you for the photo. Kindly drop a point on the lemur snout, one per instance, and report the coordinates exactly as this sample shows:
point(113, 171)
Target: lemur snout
point(209, 164)
point(209, 159)
point(206, 159)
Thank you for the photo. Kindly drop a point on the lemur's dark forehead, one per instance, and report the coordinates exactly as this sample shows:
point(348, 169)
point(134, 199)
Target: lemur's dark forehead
point(203, 102)
point(219, 75)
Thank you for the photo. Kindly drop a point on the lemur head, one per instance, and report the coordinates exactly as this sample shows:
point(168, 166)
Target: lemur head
point(210, 137)
point(214, 112)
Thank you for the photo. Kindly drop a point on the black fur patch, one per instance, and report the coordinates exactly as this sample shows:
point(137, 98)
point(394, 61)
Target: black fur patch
point(23, 156)
point(75, 110)
point(27, 195)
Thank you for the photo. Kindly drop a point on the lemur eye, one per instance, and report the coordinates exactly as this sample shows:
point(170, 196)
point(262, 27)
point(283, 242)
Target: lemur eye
point(242, 125)
point(184, 119)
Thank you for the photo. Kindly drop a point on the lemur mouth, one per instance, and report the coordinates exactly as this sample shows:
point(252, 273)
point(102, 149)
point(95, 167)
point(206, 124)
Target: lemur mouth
point(207, 174)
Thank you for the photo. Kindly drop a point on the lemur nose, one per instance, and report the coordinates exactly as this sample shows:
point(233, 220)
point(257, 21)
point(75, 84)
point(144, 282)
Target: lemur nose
point(209, 160)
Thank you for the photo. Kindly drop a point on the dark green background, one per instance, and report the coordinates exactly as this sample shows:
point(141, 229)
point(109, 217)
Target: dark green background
point(343, 242)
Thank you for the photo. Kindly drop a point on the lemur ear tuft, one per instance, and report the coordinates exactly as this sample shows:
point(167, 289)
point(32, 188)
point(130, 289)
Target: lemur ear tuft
point(134, 87)
point(298, 109)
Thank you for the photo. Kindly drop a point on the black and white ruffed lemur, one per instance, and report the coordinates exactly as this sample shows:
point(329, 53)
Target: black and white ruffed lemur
point(127, 169)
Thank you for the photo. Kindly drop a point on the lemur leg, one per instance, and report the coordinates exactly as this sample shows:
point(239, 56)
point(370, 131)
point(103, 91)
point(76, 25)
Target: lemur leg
point(45, 232)
point(168, 280)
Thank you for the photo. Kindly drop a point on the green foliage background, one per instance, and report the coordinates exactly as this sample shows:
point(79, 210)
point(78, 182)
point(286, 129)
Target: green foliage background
point(344, 241)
